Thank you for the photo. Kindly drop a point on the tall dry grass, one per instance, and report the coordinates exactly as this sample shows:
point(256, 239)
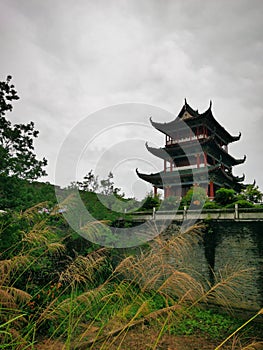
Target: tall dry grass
point(83, 314)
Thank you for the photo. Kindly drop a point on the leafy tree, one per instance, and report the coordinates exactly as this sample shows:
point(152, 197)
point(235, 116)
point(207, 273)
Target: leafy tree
point(107, 186)
point(225, 196)
point(90, 182)
point(251, 193)
point(74, 185)
point(17, 156)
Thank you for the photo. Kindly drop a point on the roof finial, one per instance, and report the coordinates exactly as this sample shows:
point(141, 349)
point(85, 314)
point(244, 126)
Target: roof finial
point(185, 103)
point(210, 104)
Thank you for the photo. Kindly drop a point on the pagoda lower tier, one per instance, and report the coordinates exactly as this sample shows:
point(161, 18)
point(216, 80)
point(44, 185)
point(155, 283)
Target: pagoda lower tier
point(179, 181)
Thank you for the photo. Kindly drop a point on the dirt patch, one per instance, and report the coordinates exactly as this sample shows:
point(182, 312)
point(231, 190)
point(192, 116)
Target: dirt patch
point(145, 338)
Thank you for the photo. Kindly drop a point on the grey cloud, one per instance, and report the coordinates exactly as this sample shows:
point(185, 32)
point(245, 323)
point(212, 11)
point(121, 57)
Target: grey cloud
point(69, 59)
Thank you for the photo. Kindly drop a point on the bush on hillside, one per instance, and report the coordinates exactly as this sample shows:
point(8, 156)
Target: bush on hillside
point(150, 202)
point(242, 203)
point(170, 203)
point(225, 196)
point(211, 205)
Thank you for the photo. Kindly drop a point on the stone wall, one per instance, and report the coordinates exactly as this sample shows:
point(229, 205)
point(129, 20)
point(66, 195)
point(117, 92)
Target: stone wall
point(226, 247)
point(238, 245)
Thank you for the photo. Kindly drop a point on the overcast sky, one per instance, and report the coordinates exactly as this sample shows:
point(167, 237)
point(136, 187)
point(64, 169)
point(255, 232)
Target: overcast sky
point(70, 59)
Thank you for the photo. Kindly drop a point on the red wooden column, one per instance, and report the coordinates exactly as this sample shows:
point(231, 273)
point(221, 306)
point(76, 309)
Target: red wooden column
point(205, 159)
point(165, 166)
point(154, 191)
point(211, 190)
point(198, 160)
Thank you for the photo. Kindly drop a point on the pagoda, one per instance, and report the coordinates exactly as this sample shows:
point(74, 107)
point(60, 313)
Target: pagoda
point(195, 154)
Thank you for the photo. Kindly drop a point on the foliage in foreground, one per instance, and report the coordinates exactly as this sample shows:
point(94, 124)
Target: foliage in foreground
point(85, 301)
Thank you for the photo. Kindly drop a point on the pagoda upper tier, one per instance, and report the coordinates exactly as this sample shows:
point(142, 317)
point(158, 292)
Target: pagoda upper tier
point(199, 123)
point(177, 151)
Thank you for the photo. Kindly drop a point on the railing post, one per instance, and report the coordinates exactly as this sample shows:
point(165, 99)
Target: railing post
point(185, 211)
point(154, 213)
point(236, 211)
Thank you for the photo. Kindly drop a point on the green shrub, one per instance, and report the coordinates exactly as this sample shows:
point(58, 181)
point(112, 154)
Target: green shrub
point(170, 203)
point(150, 202)
point(242, 203)
point(225, 196)
point(211, 205)
point(205, 322)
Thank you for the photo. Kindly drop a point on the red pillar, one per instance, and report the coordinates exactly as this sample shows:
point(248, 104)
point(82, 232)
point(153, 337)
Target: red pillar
point(211, 190)
point(154, 191)
point(205, 159)
point(167, 192)
point(165, 166)
point(198, 160)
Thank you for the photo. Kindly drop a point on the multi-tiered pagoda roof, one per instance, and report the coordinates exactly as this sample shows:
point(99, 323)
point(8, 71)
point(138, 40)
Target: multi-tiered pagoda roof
point(195, 152)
